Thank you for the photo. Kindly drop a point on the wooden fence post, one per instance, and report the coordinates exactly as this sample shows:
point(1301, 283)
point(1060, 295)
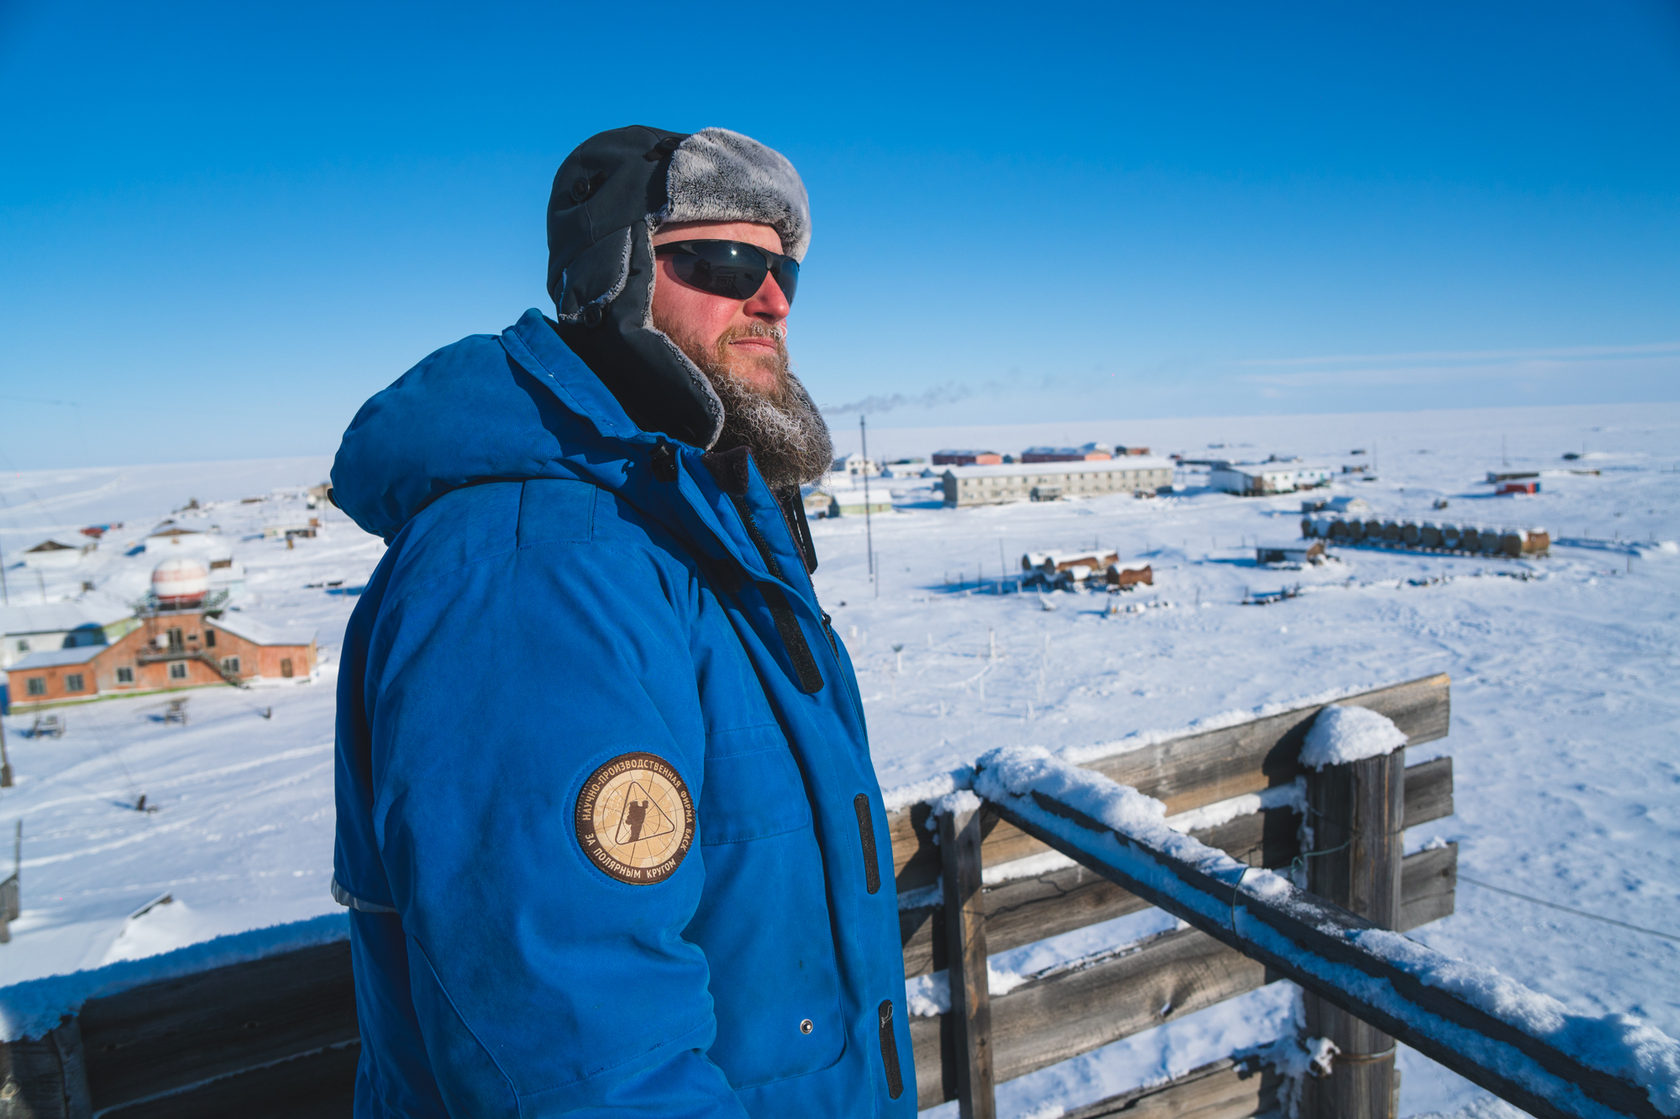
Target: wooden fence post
point(45, 1078)
point(1357, 813)
point(965, 938)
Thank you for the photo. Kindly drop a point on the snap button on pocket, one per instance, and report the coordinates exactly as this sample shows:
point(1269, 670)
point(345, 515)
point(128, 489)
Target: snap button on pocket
point(806, 1026)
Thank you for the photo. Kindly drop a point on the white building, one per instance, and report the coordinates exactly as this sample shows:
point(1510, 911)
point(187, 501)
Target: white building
point(1047, 481)
point(50, 626)
point(55, 553)
point(1256, 479)
point(854, 465)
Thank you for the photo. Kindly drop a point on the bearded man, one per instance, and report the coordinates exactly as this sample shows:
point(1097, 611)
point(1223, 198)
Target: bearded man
point(607, 824)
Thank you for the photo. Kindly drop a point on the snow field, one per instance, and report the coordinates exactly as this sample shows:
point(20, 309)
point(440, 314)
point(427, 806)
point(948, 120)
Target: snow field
point(1565, 705)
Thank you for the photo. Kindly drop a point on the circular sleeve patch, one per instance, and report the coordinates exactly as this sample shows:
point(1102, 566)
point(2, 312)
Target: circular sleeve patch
point(635, 818)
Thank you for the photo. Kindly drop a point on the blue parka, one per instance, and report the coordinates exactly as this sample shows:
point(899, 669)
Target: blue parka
point(563, 589)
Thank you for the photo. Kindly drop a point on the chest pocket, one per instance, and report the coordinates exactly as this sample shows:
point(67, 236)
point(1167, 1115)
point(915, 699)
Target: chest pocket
point(763, 919)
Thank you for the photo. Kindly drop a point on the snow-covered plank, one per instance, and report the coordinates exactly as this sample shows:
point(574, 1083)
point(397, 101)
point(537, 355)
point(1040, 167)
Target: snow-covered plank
point(1521, 1045)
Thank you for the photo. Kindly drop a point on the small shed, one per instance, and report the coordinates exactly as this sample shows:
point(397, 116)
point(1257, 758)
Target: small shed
point(1519, 487)
point(1125, 578)
point(1305, 551)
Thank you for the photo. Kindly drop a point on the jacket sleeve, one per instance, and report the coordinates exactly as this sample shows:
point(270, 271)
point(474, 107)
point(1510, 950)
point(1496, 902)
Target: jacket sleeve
point(543, 985)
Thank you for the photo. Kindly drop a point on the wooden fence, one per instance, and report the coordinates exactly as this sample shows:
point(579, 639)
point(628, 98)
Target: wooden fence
point(277, 1036)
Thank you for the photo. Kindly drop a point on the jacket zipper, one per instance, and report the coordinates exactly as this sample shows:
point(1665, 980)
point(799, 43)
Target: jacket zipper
point(889, 1050)
point(787, 623)
point(866, 836)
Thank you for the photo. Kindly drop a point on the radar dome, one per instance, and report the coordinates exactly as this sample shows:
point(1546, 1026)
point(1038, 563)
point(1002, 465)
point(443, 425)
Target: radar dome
point(180, 582)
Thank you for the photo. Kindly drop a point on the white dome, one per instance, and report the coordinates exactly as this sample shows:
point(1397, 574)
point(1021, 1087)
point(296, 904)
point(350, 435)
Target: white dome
point(180, 582)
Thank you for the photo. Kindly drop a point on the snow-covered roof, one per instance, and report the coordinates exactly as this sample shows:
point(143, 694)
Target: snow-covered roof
point(1101, 466)
point(51, 546)
point(54, 658)
point(60, 617)
point(262, 633)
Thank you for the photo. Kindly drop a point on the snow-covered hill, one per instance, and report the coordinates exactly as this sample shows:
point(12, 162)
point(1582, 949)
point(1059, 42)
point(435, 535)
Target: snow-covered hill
point(1566, 708)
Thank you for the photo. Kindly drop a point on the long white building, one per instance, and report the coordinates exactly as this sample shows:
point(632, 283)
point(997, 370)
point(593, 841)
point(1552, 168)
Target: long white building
point(1047, 481)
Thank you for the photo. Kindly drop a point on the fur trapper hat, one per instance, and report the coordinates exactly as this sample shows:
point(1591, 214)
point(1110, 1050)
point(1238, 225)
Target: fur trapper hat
point(609, 197)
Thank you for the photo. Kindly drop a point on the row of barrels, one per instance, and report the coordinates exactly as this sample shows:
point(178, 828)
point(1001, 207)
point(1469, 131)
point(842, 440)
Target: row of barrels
point(1428, 536)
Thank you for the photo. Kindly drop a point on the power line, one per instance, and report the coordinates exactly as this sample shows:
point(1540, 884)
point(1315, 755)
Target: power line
point(1567, 909)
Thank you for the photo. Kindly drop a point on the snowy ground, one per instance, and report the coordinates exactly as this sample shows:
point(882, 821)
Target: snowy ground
point(1565, 705)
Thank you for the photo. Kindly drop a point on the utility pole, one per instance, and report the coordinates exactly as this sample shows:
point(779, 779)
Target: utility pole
point(868, 530)
point(5, 762)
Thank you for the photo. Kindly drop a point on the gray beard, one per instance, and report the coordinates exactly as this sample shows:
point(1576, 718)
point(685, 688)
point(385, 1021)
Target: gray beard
point(782, 428)
point(787, 435)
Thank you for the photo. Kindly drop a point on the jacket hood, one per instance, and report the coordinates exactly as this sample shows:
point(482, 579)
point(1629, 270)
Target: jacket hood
point(519, 406)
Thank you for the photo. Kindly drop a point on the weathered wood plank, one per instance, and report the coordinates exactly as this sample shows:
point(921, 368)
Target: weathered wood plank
point(1222, 1090)
point(320, 1085)
point(965, 948)
point(1192, 771)
point(1429, 791)
point(1072, 1012)
point(1428, 886)
point(182, 1031)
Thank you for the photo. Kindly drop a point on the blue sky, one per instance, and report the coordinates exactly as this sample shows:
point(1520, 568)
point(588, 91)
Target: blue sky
point(225, 225)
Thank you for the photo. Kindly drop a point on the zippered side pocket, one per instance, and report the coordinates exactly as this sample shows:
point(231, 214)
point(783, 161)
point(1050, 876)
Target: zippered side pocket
point(866, 836)
point(889, 1050)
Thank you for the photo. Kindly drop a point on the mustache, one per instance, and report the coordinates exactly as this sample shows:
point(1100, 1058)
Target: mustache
point(777, 333)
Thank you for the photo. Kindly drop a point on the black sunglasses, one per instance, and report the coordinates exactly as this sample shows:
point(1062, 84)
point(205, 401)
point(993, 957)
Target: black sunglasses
point(733, 269)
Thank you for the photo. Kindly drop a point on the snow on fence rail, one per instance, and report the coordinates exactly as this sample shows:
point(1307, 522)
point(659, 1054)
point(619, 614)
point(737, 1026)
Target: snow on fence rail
point(1523, 1046)
point(277, 1035)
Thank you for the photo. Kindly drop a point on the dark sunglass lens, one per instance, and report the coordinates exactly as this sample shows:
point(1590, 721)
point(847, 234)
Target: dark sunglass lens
point(787, 276)
point(722, 268)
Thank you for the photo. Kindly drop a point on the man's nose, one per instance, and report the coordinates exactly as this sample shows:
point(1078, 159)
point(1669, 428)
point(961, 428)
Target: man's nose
point(768, 302)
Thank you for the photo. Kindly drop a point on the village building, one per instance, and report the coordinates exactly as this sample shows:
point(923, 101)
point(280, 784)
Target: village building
point(291, 530)
point(1090, 452)
point(1049, 481)
point(966, 458)
point(50, 626)
point(854, 465)
point(1130, 449)
point(816, 501)
point(1262, 478)
point(1303, 552)
point(180, 638)
point(169, 536)
point(1065, 570)
point(853, 503)
point(55, 553)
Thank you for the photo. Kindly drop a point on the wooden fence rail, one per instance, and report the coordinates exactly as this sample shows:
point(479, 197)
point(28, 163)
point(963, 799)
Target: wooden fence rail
point(1475, 1025)
point(277, 1036)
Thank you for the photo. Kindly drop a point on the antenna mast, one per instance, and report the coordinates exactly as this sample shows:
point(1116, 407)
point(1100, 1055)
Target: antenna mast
point(868, 529)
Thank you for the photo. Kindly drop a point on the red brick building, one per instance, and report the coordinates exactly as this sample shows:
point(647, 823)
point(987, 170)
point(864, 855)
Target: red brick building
point(169, 649)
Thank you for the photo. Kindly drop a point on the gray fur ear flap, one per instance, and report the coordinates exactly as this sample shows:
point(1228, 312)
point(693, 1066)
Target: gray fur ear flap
point(719, 175)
